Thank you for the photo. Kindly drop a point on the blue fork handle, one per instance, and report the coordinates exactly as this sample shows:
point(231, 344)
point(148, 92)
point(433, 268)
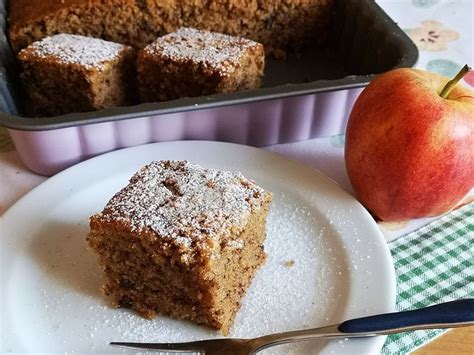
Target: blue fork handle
point(461, 311)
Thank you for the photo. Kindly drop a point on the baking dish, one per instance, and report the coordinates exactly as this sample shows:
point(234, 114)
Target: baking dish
point(304, 96)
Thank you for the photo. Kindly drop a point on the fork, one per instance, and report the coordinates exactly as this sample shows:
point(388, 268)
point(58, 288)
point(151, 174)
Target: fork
point(445, 315)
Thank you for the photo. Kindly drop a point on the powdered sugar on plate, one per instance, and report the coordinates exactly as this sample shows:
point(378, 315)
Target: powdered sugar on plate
point(52, 299)
point(315, 286)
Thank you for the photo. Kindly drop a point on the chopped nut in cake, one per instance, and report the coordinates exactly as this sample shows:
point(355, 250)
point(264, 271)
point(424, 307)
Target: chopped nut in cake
point(183, 241)
point(69, 73)
point(190, 63)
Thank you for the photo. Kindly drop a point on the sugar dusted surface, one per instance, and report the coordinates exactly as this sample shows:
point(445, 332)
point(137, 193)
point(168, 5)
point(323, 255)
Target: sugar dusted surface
point(326, 237)
point(316, 286)
point(215, 50)
point(185, 203)
point(92, 53)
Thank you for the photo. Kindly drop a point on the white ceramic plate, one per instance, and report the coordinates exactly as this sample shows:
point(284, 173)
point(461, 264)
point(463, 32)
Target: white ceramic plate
point(50, 280)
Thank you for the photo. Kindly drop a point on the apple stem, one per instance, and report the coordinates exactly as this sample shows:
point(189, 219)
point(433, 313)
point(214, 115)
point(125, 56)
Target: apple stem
point(452, 83)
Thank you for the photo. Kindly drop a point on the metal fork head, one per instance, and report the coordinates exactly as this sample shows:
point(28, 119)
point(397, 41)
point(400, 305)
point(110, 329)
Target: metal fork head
point(209, 347)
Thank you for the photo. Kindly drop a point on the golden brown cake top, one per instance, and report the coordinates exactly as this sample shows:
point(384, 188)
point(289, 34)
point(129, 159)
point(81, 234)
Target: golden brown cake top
point(22, 12)
point(88, 52)
point(214, 50)
point(185, 203)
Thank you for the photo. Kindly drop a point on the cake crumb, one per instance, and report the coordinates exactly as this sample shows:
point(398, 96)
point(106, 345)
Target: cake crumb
point(290, 263)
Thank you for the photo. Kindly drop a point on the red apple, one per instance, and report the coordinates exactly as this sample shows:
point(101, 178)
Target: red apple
point(409, 151)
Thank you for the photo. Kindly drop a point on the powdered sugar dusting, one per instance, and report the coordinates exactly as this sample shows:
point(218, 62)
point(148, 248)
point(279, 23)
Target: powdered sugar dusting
point(92, 53)
point(311, 293)
point(55, 283)
point(185, 203)
point(214, 50)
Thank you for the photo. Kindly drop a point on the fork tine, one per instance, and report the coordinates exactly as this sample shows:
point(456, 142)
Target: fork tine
point(223, 346)
point(190, 347)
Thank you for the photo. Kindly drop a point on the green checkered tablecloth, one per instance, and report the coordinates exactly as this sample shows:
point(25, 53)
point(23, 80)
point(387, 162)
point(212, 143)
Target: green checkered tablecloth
point(433, 264)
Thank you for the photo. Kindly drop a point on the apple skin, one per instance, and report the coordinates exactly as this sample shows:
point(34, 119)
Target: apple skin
point(409, 153)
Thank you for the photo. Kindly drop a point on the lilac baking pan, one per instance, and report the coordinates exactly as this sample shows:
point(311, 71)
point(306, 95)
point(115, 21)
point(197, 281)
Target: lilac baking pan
point(304, 96)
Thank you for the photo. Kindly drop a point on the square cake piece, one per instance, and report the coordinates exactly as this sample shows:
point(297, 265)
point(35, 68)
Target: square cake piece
point(190, 62)
point(183, 241)
point(69, 73)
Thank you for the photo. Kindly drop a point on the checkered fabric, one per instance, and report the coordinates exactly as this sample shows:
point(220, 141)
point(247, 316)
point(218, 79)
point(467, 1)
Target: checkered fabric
point(433, 264)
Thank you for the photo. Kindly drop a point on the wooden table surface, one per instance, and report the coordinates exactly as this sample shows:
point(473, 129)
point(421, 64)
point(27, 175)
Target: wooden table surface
point(457, 341)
